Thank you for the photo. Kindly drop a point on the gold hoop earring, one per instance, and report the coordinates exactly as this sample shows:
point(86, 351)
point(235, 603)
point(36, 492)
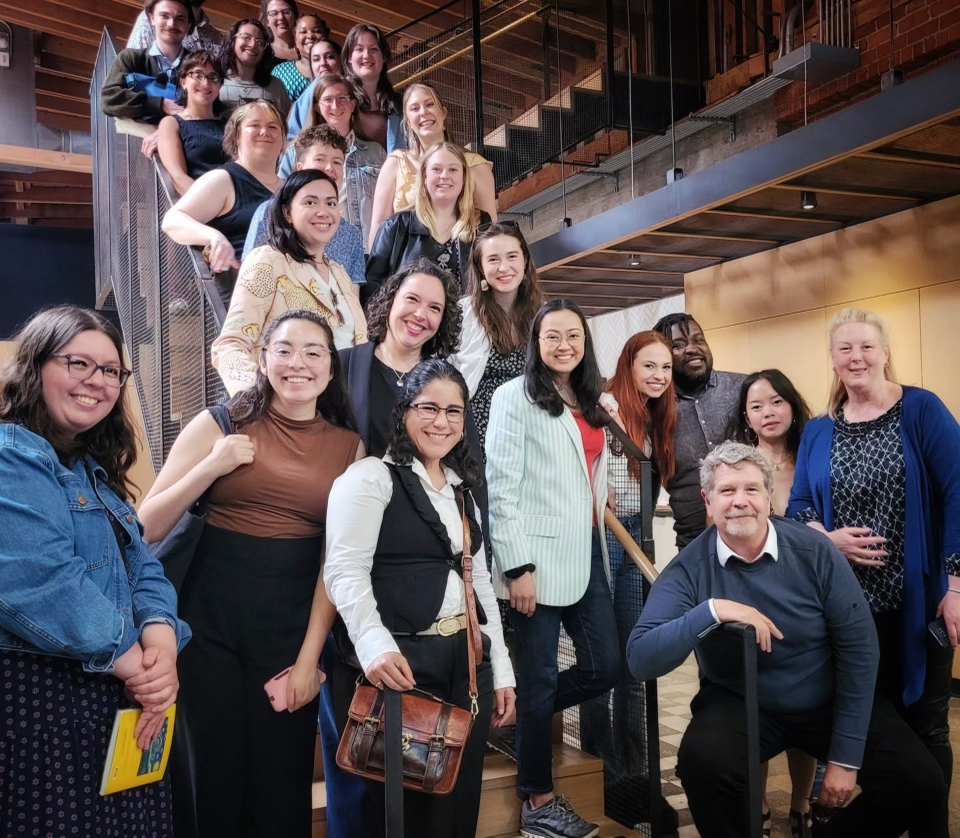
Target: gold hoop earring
point(484, 285)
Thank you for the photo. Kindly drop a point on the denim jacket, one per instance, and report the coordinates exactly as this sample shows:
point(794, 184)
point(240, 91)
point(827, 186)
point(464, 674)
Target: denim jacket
point(65, 588)
point(361, 168)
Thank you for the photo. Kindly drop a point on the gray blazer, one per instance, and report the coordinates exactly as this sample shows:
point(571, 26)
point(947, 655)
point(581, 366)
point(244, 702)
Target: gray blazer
point(542, 500)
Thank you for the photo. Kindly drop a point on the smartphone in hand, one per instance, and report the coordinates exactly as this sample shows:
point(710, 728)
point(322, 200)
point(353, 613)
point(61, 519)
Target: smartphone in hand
point(276, 688)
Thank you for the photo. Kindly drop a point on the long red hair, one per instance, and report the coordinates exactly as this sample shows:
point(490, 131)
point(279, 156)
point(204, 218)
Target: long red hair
point(657, 419)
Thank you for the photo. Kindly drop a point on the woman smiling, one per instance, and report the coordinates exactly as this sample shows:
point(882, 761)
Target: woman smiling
point(291, 272)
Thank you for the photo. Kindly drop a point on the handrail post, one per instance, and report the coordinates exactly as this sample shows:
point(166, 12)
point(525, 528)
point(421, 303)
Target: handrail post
point(477, 80)
point(611, 65)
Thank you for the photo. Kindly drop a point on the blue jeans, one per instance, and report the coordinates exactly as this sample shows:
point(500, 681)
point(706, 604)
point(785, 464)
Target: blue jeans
point(349, 809)
point(542, 689)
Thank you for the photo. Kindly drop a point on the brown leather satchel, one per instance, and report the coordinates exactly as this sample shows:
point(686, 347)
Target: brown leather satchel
point(434, 733)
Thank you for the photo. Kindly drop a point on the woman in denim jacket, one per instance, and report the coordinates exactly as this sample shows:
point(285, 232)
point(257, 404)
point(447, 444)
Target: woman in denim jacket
point(334, 103)
point(88, 623)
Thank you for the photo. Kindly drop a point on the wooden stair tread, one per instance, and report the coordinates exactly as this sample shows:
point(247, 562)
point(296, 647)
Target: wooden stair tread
point(499, 770)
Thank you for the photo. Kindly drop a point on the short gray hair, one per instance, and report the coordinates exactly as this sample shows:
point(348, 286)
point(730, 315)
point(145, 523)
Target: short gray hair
point(732, 453)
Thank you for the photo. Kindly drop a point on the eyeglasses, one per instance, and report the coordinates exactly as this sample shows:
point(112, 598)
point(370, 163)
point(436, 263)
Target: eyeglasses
point(311, 356)
point(197, 76)
point(553, 339)
point(82, 368)
point(247, 38)
point(279, 13)
point(426, 410)
point(330, 101)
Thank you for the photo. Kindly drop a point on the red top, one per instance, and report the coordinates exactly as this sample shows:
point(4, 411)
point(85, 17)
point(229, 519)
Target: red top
point(593, 441)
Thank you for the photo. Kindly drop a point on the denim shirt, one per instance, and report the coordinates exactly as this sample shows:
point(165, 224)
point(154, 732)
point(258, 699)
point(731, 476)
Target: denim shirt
point(361, 168)
point(65, 588)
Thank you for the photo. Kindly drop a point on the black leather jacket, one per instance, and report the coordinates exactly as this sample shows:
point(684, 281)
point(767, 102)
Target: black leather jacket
point(403, 238)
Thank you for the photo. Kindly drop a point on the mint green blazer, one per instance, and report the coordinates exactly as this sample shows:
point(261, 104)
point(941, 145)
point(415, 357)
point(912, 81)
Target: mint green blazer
point(542, 499)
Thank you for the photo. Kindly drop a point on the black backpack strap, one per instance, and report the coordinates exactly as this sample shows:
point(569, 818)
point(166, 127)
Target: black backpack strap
point(221, 416)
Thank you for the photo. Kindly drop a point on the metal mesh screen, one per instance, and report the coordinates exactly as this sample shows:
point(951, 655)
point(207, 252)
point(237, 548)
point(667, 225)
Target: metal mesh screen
point(165, 314)
point(622, 727)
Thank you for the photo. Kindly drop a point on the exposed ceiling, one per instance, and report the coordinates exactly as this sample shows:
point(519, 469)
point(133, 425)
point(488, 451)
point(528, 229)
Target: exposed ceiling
point(640, 251)
point(67, 38)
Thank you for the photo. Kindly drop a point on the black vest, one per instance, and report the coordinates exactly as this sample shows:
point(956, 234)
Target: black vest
point(414, 556)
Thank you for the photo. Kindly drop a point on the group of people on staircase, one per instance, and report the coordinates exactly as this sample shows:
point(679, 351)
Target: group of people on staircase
point(401, 394)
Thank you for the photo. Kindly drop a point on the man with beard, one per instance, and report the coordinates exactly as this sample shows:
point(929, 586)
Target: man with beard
point(706, 401)
point(816, 670)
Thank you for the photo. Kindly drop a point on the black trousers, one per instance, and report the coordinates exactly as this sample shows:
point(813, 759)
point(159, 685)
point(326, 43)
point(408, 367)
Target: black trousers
point(248, 602)
point(929, 716)
point(439, 666)
point(899, 779)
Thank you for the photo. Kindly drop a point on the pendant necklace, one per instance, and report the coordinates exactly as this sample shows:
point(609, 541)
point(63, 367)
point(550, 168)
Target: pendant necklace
point(401, 377)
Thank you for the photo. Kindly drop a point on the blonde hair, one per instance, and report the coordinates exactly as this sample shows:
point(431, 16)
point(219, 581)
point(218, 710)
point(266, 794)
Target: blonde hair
point(838, 392)
point(468, 216)
point(231, 131)
point(413, 141)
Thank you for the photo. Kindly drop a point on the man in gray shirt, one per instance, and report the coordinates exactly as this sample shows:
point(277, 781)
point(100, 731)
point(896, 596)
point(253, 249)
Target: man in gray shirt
point(706, 402)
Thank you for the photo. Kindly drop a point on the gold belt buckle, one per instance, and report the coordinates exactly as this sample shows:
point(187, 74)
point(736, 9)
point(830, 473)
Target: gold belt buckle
point(448, 626)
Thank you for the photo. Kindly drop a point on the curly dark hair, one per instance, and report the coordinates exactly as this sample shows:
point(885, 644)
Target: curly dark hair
point(739, 428)
point(403, 449)
point(112, 442)
point(228, 55)
point(447, 339)
point(333, 404)
point(280, 232)
point(585, 380)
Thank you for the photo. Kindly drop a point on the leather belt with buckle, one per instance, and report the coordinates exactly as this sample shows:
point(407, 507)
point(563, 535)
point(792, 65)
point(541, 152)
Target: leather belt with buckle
point(447, 626)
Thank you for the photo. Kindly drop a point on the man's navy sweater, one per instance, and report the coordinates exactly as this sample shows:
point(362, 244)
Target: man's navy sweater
point(828, 656)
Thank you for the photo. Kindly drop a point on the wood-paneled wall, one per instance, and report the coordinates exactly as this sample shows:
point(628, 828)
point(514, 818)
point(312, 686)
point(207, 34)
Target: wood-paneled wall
point(772, 309)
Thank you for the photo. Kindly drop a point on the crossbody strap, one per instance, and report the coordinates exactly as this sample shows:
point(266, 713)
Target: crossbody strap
point(474, 640)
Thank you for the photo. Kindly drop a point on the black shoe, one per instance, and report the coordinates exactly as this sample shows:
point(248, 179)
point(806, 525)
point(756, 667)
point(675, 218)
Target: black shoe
point(504, 740)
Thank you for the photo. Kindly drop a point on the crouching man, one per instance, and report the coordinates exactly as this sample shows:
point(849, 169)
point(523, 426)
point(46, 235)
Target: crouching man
point(817, 667)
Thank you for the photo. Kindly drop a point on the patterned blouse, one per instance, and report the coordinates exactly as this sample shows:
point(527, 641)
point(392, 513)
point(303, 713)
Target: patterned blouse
point(868, 481)
point(269, 284)
point(294, 82)
point(499, 370)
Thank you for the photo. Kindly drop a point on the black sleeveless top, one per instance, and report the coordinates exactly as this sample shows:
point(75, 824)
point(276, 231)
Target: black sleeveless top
point(414, 556)
point(202, 141)
point(249, 194)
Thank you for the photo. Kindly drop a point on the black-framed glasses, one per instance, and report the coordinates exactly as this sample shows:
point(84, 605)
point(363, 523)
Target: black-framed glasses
point(82, 368)
point(247, 38)
point(213, 78)
point(430, 411)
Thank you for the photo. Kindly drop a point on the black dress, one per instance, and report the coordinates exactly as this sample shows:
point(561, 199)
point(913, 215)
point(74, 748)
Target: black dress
point(202, 141)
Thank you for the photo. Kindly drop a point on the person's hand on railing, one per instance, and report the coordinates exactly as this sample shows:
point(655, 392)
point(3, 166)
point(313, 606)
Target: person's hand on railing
point(170, 107)
point(837, 787)
point(220, 254)
point(729, 611)
point(149, 145)
point(523, 594)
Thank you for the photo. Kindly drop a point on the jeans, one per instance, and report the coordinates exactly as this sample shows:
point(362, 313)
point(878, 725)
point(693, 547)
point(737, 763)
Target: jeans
point(542, 689)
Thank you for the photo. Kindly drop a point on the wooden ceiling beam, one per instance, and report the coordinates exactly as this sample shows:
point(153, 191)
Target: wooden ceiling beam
point(69, 48)
point(76, 196)
point(773, 215)
point(15, 155)
point(851, 193)
point(59, 104)
point(108, 10)
point(628, 251)
point(47, 178)
point(58, 85)
point(944, 161)
point(65, 67)
point(698, 234)
point(64, 121)
point(48, 211)
point(42, 21)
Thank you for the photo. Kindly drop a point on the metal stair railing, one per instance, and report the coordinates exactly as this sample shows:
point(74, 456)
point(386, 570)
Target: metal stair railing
point(168, 307)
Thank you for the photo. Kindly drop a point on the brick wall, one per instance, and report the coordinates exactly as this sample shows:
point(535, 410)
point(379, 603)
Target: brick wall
point(926, 32)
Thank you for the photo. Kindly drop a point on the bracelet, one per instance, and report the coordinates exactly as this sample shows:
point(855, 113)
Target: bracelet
point(953, 590)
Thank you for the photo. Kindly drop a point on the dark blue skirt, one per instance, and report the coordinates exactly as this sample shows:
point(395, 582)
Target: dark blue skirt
point(55, 725)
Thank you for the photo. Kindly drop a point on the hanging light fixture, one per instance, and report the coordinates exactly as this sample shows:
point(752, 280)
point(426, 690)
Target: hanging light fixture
point(808, 200)
point(634, 260)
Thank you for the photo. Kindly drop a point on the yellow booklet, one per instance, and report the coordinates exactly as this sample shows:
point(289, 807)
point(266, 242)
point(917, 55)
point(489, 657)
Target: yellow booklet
point(127, 766)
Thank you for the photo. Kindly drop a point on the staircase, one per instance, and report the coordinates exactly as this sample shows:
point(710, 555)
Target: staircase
point(551, 76)
point(577, 775)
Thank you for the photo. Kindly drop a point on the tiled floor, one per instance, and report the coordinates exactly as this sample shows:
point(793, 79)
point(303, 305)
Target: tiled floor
point(674, 693)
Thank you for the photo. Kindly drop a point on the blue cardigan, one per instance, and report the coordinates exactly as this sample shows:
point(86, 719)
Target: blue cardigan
point(931, 451)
